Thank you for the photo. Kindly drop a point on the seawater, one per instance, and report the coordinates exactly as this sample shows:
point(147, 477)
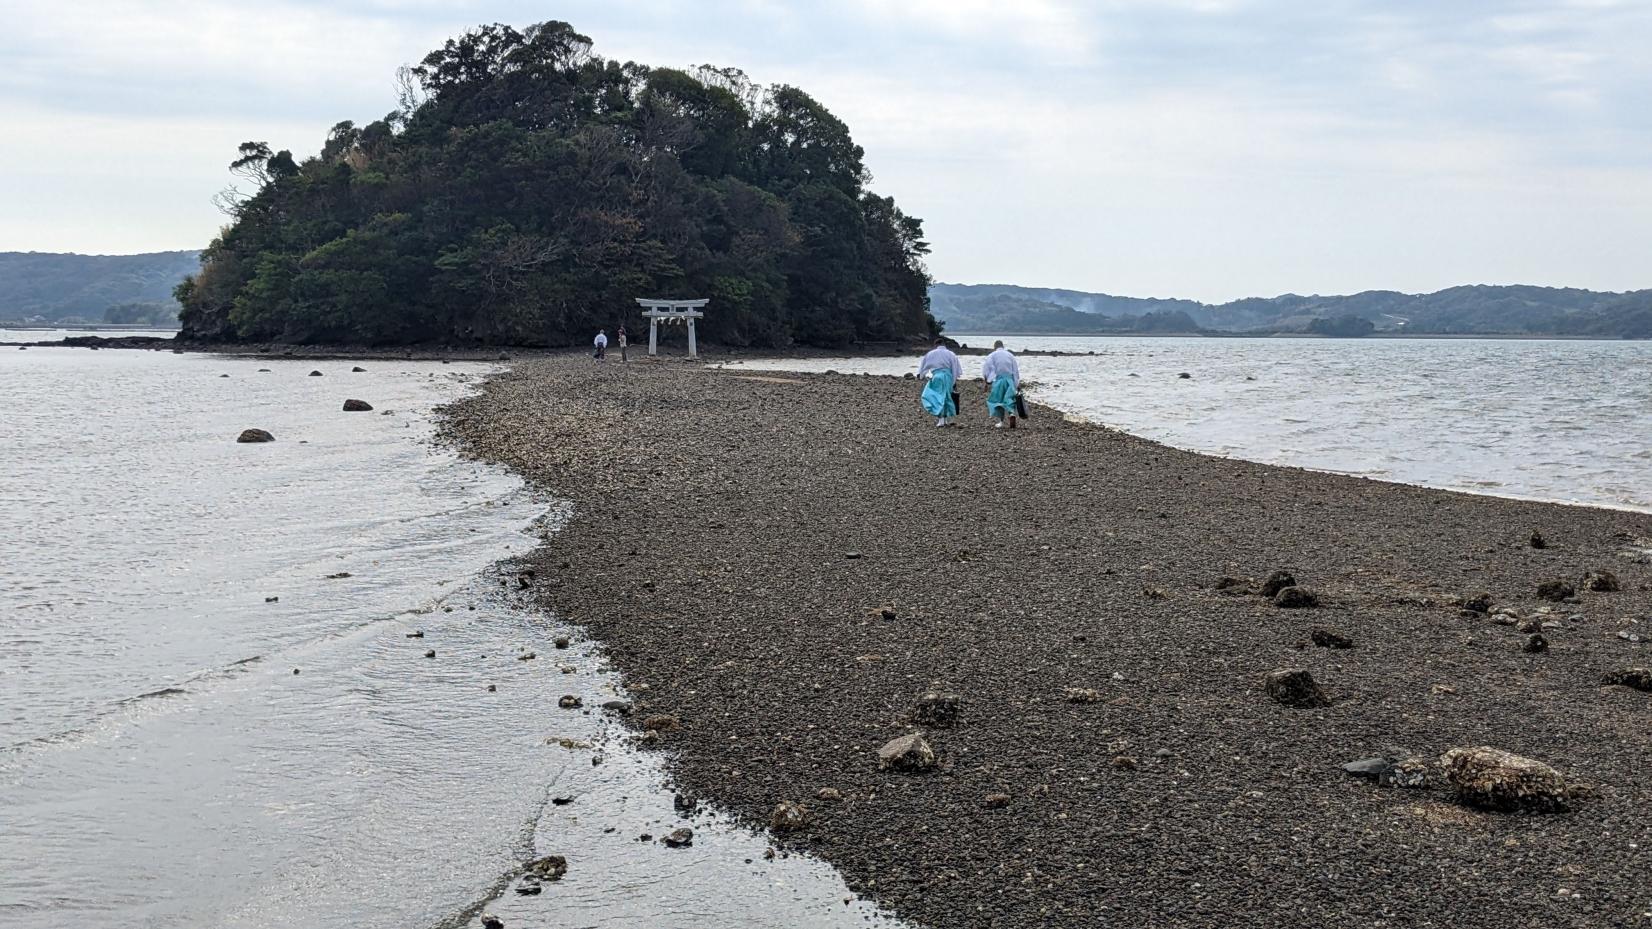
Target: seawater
point(211, 709)
point(1559, 420)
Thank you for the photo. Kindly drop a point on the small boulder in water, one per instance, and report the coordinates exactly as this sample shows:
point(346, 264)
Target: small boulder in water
point(315, 373)
point(357, 406)
point(358, 370)
point(490, 921)
point(679, 838)
point(569, 702)
point(254, 435)
point(548, 868)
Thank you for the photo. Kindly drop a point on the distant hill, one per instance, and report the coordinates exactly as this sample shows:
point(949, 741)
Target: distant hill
point(54, 286)
point(1474, 310)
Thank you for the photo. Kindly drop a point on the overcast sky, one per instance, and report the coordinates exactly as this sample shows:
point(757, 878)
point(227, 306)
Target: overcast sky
point(1191, 148)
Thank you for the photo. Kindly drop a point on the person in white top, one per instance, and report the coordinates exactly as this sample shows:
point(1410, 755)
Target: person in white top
point(601, 343)
point(1002, 374)
point(944, 372)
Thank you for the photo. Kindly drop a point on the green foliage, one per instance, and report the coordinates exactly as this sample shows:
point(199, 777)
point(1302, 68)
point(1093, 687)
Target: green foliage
point(51, 286)
point(1342, 327)
point(528, 191)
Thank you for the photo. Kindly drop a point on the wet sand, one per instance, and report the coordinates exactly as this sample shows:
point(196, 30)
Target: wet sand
point(737, 539)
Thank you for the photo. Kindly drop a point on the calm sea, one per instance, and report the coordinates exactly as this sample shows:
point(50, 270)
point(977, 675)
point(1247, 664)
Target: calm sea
point(212, 713)
point(1568, 421)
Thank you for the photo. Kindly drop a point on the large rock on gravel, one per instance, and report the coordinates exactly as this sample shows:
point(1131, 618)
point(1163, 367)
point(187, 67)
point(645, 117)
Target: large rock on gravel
point(1493, 779)
point(907, 753)
point(1637, 678)
point(357, 406)
point(788, 817)
point(1556, 590)
point(1296, 598)
point(1601, 582)
point(1479, 603)
point(254, 435)
point(1294, 687)
point(1277, 581)
point(936, 709)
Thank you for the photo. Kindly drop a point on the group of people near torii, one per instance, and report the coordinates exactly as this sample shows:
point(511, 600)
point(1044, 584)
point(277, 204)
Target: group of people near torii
point(1000, 371)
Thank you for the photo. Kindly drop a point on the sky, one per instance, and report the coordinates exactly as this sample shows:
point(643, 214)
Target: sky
point(1206, 149)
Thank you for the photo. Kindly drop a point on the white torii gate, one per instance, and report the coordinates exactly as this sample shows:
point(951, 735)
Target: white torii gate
point(672, 311)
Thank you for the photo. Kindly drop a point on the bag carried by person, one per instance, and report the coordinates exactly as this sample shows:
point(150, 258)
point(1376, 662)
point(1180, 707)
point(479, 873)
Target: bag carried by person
point(1020, 405)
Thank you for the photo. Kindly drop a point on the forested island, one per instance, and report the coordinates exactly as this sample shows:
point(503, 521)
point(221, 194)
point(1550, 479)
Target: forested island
point(46, 288)
point(526, 191)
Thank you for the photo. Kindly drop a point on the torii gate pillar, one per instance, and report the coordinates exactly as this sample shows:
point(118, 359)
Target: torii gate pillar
point(672, 311)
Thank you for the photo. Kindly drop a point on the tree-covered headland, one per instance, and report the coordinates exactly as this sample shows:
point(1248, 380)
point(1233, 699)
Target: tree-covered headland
point(526, 190)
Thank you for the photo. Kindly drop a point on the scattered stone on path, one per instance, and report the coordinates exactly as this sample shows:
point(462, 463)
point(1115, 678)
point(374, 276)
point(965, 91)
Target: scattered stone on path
point(661, 722)
point(1296, 598)
point(1479, 603)
point(852, 556)
point(1410, 773)
point(1494, 779)
point(679, 838)
point(1371, 769)
point(936, 709)
point(788, 817)
point(1277, 581)
point(569, 702)
point(996, 801)
point(1329, 638)
point(829, 795)
point(1535, 644)
point(1294, 687)
point(357, 406)
point(1636, 678)
point(1233, 585)
point(254, 435)
point(1529, 625)
point(1555, 590)
point(1537, 540)
point(1601, 582)
point(907, 753)
point(1081, 695)
point(1123, 763)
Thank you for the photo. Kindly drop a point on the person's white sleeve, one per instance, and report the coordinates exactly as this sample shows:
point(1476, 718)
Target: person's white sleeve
point(957, 369)
point(1015, 371)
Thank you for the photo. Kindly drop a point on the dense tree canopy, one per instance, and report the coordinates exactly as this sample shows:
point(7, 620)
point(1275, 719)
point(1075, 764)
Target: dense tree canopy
point(527, 190)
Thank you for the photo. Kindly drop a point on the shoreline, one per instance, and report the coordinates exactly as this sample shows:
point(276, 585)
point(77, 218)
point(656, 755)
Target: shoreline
point(737, 538)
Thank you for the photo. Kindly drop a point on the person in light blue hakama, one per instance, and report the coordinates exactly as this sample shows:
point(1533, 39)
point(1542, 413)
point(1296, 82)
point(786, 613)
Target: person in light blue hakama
point(1003, 376)
point(943, 370)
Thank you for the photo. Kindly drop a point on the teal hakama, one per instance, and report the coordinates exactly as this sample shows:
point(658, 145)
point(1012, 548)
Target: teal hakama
point(1001, 399)
point(937, 397)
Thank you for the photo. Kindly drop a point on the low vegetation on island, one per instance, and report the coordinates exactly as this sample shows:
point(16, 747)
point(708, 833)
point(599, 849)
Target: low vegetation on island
point(526, 191)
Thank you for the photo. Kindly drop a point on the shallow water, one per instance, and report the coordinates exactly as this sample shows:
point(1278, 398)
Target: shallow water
point(211, 712)
point(1568, 421)
point(48, 334)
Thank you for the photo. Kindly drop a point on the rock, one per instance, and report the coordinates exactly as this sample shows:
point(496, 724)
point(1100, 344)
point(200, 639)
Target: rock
point(358, 370)
point(561, 641)
point(1493, 779)
point(1277, 581)
point(1233, 585)
point(907, 753)
point(526, 656)
point(1123, 763)
point(1371, 769)
point(357, 406)
point(315, 373)
point(1555, 590)
point(490, 921)
point(829, 795)
point(1535, 644)
point(996, 801)
point(619, 707)
point(852, 556)
point(1410, 773)
point(493, 688)
point(661, 722)
point(788, 817)
point(1537, 540)
point(416, 634)
point(1329, 638)
point(254, 435)
point(549, 868)
point(1294, 687)
point(1601, 582)
point(1185, 376)
point(569, 702)
point(529, 887)
point(1296, 598)
point(430, 654)
point(684, 804)
point(1081, 695)
point(1479, 603)
point(272, 599)
point(679, 838)
point(936, 709)
point(1529, 625)
point(1637, 678)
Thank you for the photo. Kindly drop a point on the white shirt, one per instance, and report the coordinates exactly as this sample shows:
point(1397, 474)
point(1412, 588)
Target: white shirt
point(941, 359)
point(601, 341)
point(1001, 362)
